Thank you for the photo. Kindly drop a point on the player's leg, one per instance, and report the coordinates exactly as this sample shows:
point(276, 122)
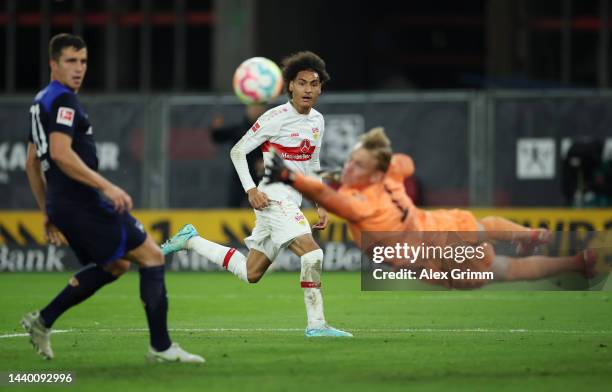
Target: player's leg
point(249, 269)
point(483, 263)
point(311, 257)
point(489, 228)
point(257, 263)
point(153, 295)
point(80, 287)
point(539, 267)
point(311, 260)
point(498, 228)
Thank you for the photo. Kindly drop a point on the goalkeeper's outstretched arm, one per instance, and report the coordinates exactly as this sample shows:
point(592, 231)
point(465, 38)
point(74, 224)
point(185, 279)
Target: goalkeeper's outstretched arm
point(347, 207)
point(341, 205)
point(344, 206)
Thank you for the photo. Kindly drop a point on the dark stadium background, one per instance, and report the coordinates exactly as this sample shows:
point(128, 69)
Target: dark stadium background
point(160, 45)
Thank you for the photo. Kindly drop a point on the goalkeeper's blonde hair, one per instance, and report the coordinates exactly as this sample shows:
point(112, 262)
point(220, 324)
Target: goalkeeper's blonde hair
point(379, 145)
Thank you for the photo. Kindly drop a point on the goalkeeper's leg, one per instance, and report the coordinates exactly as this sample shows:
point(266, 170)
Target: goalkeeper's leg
point(539, 267)
point(527, 239)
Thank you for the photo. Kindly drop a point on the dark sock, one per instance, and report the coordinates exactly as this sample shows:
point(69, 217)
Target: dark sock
point(81, 286)
point(153, 295)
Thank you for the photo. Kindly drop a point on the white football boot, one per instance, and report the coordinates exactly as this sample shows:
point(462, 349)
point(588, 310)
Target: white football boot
point(173, 354)
point(39, 334)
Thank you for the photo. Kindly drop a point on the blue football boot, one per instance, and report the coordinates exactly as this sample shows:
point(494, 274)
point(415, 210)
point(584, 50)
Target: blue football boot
point(327, 331)
point(179, 240)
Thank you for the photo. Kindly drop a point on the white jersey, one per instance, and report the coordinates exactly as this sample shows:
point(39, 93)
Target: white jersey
point(295, 137)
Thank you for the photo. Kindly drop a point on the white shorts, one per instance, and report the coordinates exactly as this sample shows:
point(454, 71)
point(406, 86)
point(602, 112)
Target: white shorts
point(276, 227)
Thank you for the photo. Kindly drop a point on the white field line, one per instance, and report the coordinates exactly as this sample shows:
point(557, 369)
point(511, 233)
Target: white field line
point(357, 330)
point(18, 335)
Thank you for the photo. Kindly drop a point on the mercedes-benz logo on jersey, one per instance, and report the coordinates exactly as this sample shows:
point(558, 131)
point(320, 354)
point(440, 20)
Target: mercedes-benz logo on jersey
point(305, 146)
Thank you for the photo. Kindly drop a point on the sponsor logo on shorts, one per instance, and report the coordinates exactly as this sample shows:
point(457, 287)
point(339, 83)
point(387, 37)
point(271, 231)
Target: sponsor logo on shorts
point(65, 116)
point(300, 218)
point(295, 134)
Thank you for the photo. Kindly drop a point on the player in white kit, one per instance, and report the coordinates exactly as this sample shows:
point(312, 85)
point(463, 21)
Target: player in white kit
point(295, 131)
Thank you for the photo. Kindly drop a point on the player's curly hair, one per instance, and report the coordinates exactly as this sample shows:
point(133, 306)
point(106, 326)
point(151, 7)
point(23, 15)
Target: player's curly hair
point(302, 61)
point(379, 145)
point(64, 40)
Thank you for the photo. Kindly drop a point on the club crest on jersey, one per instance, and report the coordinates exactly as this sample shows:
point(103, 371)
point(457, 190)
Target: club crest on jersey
point(65, 116)
point(305, 146)
point(255, 127)
point(315, 133)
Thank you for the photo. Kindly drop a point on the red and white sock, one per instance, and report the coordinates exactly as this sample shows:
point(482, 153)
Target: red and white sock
point(227, 258)
point(310, 281)
point(314, 307)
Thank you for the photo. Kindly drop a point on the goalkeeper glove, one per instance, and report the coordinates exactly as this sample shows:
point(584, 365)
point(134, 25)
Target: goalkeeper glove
point(277, 171)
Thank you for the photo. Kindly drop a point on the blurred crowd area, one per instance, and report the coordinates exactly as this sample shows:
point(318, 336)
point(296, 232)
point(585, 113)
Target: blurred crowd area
point(194, 45)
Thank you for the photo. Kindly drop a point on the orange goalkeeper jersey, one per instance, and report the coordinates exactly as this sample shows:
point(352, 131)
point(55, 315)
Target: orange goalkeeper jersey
point(384, 206)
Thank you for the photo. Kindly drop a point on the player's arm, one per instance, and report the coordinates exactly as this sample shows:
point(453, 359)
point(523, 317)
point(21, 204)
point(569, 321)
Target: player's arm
point(313, 168)
point(61, 130)
point(37, 181)
point(254, 137)
point(60, 148)
point(347, 207)
point(401, 167)
point(38, 185)
point(323, 217)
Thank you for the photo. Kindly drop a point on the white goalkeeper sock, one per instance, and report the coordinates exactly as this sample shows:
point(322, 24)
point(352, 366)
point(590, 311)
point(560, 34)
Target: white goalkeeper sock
point(228, 258)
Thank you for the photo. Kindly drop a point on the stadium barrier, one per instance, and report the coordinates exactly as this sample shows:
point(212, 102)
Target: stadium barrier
point(23, 247)
point(489, 148)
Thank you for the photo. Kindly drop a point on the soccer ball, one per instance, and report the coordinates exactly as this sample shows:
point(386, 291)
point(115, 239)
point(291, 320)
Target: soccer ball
point(257, 80)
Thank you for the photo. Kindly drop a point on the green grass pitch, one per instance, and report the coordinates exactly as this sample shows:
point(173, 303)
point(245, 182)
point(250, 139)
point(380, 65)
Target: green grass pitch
point(252, 337)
